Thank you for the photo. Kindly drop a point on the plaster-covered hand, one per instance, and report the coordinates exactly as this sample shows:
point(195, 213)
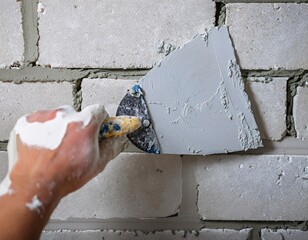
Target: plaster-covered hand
point(77, 155)
point(51, 153)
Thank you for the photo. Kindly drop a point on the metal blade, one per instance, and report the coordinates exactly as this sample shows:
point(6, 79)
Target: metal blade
point(133, 104)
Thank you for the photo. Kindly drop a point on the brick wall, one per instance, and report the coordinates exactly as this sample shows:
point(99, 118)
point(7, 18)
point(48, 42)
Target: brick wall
point(76, 52)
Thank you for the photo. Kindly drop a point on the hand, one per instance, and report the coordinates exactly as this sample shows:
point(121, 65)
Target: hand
point(58, 152)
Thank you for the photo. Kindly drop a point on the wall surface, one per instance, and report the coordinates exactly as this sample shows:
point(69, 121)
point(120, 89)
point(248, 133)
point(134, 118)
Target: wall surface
point(55, 52)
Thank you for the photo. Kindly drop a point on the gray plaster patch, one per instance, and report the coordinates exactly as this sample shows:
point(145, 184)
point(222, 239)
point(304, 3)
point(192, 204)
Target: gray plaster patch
point(197, 101)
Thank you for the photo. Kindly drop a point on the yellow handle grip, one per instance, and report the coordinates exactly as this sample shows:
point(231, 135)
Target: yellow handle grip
point(118, 126)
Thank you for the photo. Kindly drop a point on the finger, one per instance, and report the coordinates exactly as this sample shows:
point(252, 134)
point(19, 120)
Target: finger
point(42, 116)
point(96, 112)
point(49, 114)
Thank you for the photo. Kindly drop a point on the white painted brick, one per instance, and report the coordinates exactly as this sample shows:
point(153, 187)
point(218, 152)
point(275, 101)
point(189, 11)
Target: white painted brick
point(108, 92)
point(3, 165)
point(132, 185)
point(117, 33)
point(300, 112)
point(269, 35)
point(281, 234)
point(268, 102)
point(11, 39)
point(253, 187)
point(19, 99)
point(204, 234)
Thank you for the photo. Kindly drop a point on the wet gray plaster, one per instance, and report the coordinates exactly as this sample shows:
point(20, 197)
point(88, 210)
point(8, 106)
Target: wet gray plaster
point(197, 101)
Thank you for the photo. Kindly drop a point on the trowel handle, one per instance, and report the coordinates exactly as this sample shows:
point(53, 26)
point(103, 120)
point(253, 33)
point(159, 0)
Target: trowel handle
point(118, 126)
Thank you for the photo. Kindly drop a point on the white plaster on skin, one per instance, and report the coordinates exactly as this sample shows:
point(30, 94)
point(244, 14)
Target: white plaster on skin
point(46, 135)
point(35, 204)
point(50, 134)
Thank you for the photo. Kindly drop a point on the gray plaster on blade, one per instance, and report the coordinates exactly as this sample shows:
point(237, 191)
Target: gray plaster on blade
point(197, 101)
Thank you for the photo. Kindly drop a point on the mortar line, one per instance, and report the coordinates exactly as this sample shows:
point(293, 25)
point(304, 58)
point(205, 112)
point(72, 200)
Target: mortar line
point(43, 74)
point(77, 95)
point(30, 32)
point(261, 1)
point(188, 207)
point(257, 226)
point(292, 85)
point(176, 223)
point(220, 14)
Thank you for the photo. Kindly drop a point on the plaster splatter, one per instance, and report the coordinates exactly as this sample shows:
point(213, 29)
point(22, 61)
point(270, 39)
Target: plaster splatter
point(196, 95)
point(35, 204)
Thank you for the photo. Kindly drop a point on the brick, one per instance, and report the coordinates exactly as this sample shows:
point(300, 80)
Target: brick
point(252, 187)
point(19, 99)
point(300, 112)
point(11, 39)
point(3, 165)
point(282, 234)
point(268, 102)
point(108, 92)
point(131, 186)
point(225, 234)
point(204, 234)
point(267, 35)
point(117, 33)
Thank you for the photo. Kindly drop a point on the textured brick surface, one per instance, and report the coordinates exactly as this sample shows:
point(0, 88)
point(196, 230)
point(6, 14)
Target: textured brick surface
point(253, 187)
point(281, 234)
point(19, 99)
point(117, 33)
point(204, 234)
point(132, 185)
point(3, 165)
point(268, 102)
point(269, 35)
point(11, 39)
point(300, 112)
point(108, 92)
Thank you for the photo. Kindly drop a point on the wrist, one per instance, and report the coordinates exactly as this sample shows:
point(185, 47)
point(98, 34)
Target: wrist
point(21, 211)
point(37, 197)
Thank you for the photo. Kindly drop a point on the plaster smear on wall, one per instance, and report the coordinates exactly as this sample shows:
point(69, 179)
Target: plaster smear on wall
point(197, 101)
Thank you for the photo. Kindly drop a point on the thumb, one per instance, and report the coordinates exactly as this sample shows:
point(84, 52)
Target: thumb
point(109, 148)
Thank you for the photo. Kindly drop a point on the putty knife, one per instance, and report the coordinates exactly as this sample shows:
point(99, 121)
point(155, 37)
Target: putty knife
point(193, 101)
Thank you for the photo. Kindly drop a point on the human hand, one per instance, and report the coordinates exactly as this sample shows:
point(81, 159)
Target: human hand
point(55, 152)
